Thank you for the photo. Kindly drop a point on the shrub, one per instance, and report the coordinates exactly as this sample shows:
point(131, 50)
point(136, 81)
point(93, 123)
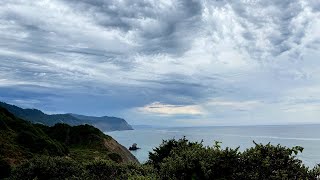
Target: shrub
point(273, 162)
point(5, 168)
point(105, 170)
point(115, 157)
point(181, 159)
point(111, 170)
point(44, 168)
point(41, 144)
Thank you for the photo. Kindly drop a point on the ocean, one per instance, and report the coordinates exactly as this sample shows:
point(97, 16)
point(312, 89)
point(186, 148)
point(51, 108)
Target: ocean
point(307, 136)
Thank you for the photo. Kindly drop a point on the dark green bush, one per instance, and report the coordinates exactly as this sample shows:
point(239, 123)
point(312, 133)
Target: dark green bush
point(273, 162)
point(54, 168)
point(315, 172)
point(40, 144)
point(47, 168)
point(115, 157)
point(166, 148)
point(181, 159)
point(5, 168)
point(105, 170)
point(111, 170)
point(82, 135)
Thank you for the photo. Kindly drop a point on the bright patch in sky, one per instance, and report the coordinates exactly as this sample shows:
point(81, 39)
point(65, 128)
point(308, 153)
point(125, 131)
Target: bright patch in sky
point(172, 62)
point(167, 109)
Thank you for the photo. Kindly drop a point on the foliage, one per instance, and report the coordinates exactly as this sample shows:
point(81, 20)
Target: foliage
point(49, 168)
point(85, 155)
point(40, 144)
point(82, 135)
point(21, 140)
point(110, 170)
point(43, 168)
point(5, 168)
point(85, 142)
point(273, 162)
point(315, 172)
point(181, 159)
point(115, 157)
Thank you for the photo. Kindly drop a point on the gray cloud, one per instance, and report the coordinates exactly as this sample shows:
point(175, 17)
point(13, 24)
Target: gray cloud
point(118, 56)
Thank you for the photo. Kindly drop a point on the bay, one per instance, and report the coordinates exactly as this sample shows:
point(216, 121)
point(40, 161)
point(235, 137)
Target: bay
point(307, 136)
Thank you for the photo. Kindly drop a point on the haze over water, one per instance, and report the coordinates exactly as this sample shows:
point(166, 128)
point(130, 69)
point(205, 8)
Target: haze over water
point(307, 136)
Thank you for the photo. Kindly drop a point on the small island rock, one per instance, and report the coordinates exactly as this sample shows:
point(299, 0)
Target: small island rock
point(133, 147)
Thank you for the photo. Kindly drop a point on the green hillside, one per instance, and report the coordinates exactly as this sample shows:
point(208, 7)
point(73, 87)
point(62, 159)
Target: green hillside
point(21, 140)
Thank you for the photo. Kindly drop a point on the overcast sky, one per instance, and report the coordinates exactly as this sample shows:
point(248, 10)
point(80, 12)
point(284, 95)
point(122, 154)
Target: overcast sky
point(164, 62)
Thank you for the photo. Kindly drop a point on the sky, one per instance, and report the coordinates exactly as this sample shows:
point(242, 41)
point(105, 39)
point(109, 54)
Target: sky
point(164, 62)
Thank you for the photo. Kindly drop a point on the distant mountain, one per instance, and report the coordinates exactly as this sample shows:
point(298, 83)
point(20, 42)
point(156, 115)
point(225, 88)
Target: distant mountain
point(104, 123)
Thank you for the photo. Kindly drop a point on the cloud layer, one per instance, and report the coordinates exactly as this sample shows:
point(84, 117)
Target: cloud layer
point(168, 109)
point(212, 61)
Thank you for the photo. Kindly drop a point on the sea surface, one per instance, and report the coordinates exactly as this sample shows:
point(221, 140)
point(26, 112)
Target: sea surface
point(307, 136)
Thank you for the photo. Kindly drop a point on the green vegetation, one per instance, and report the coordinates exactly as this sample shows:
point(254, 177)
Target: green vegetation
point(29, 151)
point(45, 167)
point(21, 141)
point(181, 159)
point(178, 159)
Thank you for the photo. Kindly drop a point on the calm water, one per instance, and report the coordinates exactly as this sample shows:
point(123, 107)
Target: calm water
point(307, 136)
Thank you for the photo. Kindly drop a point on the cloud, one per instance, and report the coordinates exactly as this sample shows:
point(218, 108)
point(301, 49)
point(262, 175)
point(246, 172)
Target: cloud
point(221, 56)
point(169, 109)
point(236, 105)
